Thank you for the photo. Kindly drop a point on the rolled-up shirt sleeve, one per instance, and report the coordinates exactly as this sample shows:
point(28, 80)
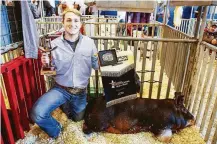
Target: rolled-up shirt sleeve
point(94, 57)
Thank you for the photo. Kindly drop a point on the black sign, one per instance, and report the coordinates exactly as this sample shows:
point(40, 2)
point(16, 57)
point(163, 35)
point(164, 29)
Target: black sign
point(118, 87)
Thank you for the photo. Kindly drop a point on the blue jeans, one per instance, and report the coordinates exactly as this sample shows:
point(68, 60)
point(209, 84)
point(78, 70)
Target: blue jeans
point(55, 97)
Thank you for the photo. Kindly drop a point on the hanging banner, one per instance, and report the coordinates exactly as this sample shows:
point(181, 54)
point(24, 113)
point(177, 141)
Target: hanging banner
point(127, 5)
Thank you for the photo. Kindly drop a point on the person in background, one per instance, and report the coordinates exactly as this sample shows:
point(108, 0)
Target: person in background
point(171, 16)
point(213, 31)
point(57, 3)
point(83, 8)
point(62, 7)
point(88, 10)
point(94, 9)
point(186, 12)
point(79, 5)
point(161, 13)
point(34, 8)
point(74, 58)
point(196, 11)
point(136, 17)
point(121, 29)
point(159, 16)
point(76, 6)
point(178, 16)
point(49, 9)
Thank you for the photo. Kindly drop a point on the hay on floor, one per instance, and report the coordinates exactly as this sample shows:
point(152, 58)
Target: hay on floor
point(72, 134)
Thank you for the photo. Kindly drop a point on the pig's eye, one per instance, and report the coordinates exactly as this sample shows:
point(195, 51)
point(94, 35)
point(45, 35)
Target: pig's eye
point(184, 110)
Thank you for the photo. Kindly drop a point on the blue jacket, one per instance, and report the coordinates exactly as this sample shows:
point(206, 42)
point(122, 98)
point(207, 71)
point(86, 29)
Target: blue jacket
point(30, 34)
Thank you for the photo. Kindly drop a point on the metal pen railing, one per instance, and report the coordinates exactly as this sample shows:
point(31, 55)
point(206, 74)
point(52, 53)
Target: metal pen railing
point(187, 26)
point(202, 98)
point(132, 44)
point(182, 55)
point(84, 18)
point(154, 77)
point(106, 29)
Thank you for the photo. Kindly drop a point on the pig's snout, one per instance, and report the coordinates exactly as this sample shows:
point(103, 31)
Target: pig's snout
point(86, 130)
point(190, 122)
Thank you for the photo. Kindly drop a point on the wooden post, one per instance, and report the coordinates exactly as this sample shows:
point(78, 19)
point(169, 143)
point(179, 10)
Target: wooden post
point(194, 53)
point(155, 13)
point(42, 10)
point(203, 24)
point(198, 22)
point(165, 12)
point(98, 22)
point(192, 10)
point(213, 14)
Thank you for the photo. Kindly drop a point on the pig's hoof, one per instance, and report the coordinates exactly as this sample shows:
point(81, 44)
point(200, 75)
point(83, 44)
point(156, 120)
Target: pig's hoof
point(89, 136)
point(165, 135)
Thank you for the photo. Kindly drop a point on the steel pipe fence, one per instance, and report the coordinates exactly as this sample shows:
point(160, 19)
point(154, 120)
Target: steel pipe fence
point(202, 98)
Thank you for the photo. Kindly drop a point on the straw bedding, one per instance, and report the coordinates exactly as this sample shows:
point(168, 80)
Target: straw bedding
point(72, 134)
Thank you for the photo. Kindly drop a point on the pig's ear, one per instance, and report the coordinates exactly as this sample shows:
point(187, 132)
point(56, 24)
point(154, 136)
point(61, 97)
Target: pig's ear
point(177, 93)
point(179, 100)
point(176, 97)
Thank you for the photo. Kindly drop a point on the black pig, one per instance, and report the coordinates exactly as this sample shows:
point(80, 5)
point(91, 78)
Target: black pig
point(161, 117)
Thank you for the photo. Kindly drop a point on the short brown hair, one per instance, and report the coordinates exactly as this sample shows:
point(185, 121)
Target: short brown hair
point(76, 12)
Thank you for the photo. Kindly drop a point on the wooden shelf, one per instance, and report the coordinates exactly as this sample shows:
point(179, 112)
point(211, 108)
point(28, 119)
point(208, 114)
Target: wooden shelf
point(192, 3)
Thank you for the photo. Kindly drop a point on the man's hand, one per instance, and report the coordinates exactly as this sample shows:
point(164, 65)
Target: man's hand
point(45, 59)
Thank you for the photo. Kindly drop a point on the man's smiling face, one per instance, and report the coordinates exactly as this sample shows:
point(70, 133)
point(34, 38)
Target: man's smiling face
point(72, 23)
